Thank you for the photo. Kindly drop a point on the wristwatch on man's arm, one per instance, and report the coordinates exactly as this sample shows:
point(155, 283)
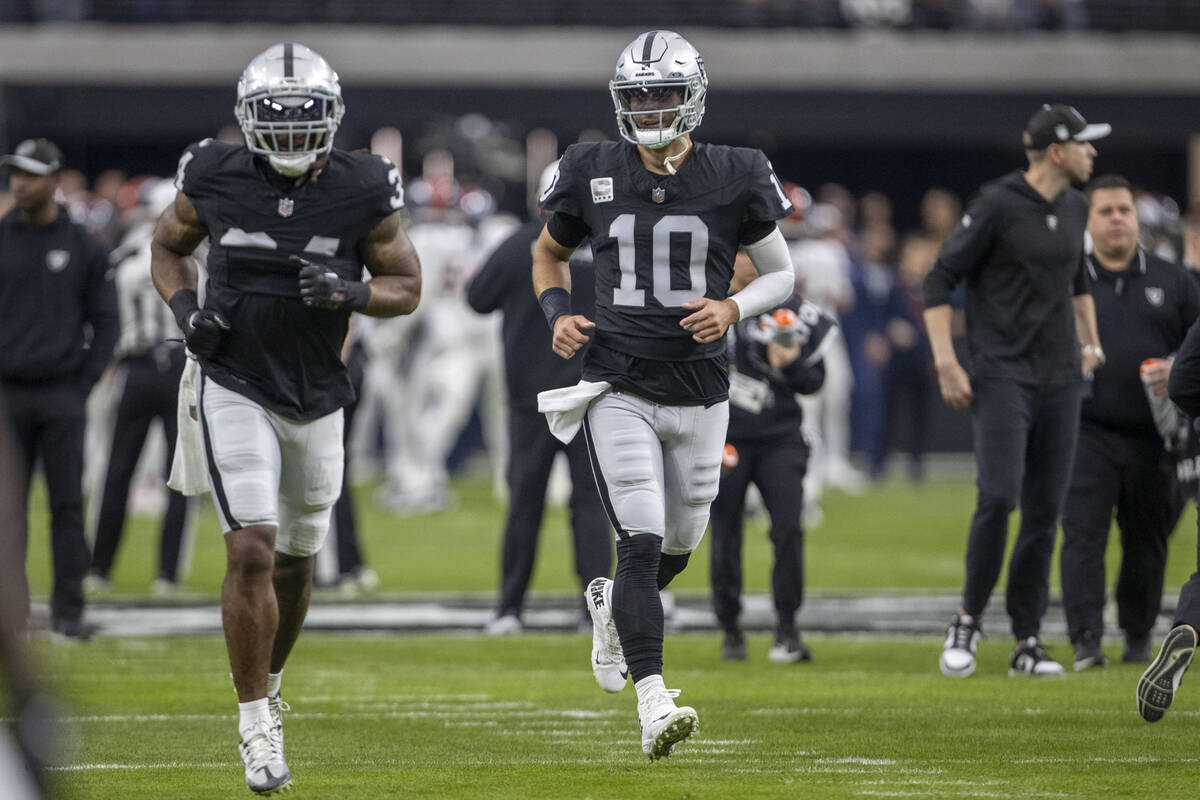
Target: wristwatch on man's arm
point(1094, 351)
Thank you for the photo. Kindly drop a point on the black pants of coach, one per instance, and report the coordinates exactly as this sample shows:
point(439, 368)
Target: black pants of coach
point(776, 467)
point(533, 451)
point(48, 421)
point(150, 392)
point(345, 520)
point(1135, 477)
point(1024, 450)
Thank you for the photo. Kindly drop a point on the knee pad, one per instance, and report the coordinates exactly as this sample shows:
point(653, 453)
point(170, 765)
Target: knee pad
point(302, 534)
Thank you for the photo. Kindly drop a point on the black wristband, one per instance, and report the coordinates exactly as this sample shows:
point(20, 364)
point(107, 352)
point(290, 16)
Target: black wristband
point(555, 302)
point(358, 294)
point(182, 303)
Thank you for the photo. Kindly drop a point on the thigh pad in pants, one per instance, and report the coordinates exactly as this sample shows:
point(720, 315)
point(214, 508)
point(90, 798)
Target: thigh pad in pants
point(658, 467)
point(269, 470)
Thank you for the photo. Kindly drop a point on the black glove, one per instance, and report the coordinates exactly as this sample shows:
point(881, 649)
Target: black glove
point(202, 327)
point(320, 287)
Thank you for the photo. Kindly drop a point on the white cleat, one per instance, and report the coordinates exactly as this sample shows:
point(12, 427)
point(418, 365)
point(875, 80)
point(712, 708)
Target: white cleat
point(608, 659)
point(664, 724)
point(1030, 658)
point(507, 625)
point(958, 653)
point(266, 771)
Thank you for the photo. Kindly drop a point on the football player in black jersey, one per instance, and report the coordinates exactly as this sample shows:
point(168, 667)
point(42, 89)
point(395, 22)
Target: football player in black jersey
point(291, 222)
point(664, 216)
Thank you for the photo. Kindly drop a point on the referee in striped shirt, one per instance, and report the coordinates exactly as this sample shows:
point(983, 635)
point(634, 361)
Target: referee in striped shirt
point(150, 359)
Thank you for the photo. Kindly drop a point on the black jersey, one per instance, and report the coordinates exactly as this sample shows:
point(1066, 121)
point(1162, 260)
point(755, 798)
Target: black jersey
point(280, 352)
point(1021, 258)
point(659, 241)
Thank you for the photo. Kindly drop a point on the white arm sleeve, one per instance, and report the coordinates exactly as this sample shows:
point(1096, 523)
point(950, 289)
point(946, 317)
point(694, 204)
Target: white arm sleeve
point(776, 279)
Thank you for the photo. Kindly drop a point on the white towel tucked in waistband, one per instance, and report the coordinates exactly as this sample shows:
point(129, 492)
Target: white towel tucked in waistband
point(189, 468)
point(565, 408)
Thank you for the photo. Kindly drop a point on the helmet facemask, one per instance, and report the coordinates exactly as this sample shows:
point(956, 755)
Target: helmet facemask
point(289, 118)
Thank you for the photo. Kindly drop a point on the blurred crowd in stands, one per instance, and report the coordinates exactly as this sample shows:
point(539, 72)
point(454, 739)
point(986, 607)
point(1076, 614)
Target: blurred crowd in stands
point(975, 15)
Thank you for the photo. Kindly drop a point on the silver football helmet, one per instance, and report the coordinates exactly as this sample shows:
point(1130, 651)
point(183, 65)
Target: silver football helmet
point(655, 63)
point(289, 105)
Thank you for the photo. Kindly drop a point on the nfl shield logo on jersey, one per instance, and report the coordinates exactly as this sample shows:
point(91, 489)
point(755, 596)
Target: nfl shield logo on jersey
point(658, 194)
point(1155, 295)
point(286, 206)
point(1052, 222)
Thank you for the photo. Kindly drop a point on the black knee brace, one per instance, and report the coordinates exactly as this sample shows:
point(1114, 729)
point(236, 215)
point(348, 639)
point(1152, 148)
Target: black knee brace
point(669, 566)
point(637, 609)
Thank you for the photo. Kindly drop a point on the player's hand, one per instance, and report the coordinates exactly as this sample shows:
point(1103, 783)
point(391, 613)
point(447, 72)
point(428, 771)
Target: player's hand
point(779, 356)
point(955, 385)
point(202, 330)
point(570, 334)
point(1155, 373)
point(320, 287)
point(711, 318)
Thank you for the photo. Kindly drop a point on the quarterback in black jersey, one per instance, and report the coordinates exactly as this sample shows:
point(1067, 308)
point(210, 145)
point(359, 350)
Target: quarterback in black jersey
point(291, 223)
point(665, 217)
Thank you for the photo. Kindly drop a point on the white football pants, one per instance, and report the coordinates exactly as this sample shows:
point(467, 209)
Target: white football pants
point(657, 467)
point(269, 470)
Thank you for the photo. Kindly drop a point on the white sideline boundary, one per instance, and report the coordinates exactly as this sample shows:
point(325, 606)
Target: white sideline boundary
point(922, 615)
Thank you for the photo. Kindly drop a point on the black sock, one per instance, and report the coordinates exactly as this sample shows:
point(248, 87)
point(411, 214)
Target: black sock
point(636, 607)
point(669, 566)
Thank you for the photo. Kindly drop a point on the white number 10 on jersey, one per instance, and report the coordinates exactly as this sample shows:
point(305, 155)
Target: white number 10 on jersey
point(627, 294)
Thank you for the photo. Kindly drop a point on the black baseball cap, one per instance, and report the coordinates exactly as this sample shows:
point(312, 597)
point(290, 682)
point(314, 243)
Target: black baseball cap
point(1059, 123)
point(39, 156)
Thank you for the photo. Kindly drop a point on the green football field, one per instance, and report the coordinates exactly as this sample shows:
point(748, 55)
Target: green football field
point(461, 715)
point(469, 717)
point(895, 537)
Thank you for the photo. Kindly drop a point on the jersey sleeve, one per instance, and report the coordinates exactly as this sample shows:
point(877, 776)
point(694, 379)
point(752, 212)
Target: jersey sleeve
point(387, 185)
point(765, 201)
point(963, 252)
point(562, 195)
point(192, 176)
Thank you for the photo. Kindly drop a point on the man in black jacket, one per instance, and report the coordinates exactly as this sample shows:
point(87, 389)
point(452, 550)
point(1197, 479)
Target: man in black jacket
point(1144, 307)
point(60, 326)
point(530, 366)
point(772, 358)
point(1031, 334)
